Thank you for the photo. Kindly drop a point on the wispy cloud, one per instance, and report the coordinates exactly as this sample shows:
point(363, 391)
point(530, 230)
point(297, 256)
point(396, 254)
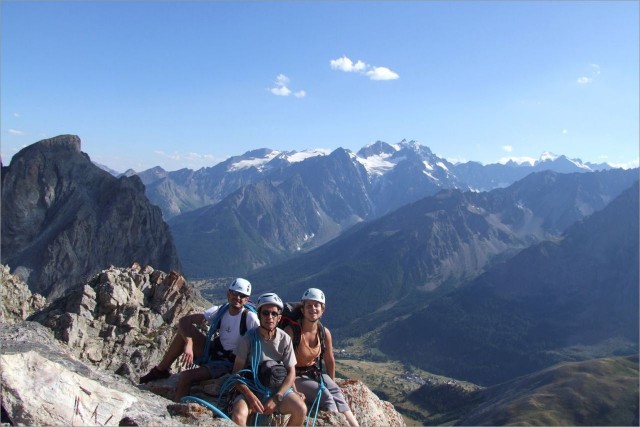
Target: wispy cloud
point(16, 115)
point(507, 148)
point(594, 72)
point(281, 88)
point(373, 72)
point(16, 132)
point(185, 156)
point(178, 160)
point(519, 160)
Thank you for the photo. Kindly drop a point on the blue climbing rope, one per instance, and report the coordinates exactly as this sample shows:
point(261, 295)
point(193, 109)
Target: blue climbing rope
point(215, 324)
point(316, 403)
point(205, 404)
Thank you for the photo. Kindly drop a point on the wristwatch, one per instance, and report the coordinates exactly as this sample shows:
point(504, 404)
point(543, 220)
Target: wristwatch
point(279, 397)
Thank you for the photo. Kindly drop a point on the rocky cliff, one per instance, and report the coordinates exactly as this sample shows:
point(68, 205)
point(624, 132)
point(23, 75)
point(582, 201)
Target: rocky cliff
point(76, 362)
point(63, 218)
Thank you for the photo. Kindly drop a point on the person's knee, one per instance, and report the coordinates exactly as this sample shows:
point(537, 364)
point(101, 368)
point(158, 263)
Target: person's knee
point(299, 407)
point(239, 414)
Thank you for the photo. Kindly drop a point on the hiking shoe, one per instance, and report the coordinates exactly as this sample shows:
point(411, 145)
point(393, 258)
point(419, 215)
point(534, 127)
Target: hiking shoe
point(155, 374)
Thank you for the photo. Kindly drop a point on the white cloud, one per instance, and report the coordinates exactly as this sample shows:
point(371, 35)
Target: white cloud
point(507, 148)
point(282, 80)
point(178, 160)
point(519, 160)
point(595, 72)
point(374, 73)
point(281, 88)
point(281, 91)
point(16, 115)
point(382, 73)
point(15, 132)
point(565, 131)
point(626, 165)
point(190, 156)
point(346, 65)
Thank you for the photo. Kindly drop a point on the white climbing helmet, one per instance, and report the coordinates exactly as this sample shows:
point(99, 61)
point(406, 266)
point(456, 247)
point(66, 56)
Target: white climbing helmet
point(269, 298)
point(241, 285)
point(313, 294)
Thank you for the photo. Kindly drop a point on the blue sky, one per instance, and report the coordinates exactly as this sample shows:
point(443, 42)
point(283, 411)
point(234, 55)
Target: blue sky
point(188, 84)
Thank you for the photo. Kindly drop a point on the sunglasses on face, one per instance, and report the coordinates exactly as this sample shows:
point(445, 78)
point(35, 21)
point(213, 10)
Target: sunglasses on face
point(267, 313)
point(237, 294)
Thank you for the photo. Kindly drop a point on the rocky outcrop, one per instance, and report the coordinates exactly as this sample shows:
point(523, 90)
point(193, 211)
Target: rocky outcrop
point(368, 409)
point(63, 219)
point(43, 383)
point(123, 319)
point(17, 300)
point(76, 362)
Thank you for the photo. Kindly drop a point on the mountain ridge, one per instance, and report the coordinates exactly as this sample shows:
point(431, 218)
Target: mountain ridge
point(62, 217)
point(552, 301)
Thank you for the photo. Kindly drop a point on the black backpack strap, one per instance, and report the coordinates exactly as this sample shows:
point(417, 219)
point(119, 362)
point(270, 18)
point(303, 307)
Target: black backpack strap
point(243, 322)
point(322, 335)
point(297, 333)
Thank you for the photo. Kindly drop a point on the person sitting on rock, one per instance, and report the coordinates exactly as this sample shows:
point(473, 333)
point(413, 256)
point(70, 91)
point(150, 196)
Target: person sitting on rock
point(191, 342)
point(312, 344)
point(267, 347)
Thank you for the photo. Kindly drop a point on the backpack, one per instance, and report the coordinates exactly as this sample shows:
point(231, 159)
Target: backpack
point(291, 315)
point(213, 342)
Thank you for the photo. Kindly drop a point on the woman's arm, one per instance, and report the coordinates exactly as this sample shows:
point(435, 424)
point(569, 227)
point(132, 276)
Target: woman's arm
point(329, 360)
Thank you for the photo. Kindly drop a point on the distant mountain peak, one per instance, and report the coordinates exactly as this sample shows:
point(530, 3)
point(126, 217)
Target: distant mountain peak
point(548, 156)
point(255, 158)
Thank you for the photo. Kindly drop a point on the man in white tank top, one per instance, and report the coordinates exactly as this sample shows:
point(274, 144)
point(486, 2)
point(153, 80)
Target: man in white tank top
point(189, 342)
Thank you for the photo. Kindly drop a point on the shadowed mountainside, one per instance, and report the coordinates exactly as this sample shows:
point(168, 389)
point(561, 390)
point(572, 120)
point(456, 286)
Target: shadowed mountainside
point(570, 299)
point(63, 218)
point(396, 264)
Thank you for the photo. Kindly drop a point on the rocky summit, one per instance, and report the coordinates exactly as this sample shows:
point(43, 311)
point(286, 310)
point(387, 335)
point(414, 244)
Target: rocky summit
point(77, 360)
point(63, 218)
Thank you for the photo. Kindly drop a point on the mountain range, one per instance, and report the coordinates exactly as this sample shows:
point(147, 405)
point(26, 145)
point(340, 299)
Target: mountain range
point(572, 298)
point(414, 259)
point(303, 200)
point(437, 243)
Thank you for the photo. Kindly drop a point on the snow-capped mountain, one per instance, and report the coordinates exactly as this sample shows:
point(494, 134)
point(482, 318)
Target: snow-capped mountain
point(389, 175)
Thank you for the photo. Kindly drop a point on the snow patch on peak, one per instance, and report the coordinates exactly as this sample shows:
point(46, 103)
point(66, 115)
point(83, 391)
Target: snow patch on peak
point(298, 156)
point(377, 164)
point(442, 165)
point(256, 162)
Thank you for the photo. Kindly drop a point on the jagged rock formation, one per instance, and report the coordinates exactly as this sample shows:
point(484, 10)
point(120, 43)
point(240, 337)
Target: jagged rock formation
point(63, 218)
point(123, 319)
point(18, 302)
point(76, 361)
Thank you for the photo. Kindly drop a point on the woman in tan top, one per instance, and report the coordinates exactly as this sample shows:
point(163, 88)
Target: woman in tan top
point(313, 345)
